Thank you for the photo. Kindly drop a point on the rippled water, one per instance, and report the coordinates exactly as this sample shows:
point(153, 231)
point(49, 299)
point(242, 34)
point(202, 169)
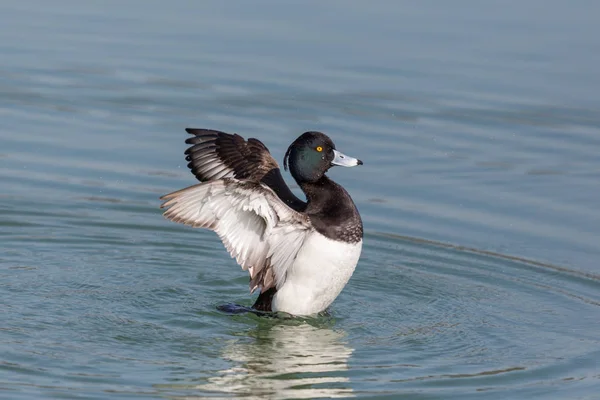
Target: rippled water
point(479, 127)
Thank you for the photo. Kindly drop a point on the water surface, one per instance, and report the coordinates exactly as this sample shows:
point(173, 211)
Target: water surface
point(479, 128)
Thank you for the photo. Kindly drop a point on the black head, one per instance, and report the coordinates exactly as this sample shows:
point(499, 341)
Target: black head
point(312, 154)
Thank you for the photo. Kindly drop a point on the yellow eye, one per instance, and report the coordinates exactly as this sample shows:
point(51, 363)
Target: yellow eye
point(319, 149)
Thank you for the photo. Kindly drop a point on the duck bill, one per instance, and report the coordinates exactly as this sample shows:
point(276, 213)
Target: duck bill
point(344, 161)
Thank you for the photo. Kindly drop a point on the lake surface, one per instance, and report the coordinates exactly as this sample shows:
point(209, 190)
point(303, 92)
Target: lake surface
point(479, 127)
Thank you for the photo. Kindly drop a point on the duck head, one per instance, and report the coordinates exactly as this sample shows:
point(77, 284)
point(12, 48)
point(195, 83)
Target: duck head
point(312, 154)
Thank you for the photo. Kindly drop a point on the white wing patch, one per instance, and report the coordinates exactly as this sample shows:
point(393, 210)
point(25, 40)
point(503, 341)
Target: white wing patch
point(262, 233)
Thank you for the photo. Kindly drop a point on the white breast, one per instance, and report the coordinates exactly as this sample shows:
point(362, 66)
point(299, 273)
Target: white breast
point(320, 272)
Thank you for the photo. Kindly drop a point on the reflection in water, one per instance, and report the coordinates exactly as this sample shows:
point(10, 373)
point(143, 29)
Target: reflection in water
point(285, 361)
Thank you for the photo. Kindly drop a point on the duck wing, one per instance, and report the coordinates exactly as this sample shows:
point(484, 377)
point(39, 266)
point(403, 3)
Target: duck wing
point(216, 155)
point(258, 229)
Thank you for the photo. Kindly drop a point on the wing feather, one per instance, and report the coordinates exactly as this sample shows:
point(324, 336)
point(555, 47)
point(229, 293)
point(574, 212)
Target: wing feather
point(237, 158)
point(262, 233)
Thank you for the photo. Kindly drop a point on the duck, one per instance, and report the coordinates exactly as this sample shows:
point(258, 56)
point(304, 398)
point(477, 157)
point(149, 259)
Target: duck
point(300, 254)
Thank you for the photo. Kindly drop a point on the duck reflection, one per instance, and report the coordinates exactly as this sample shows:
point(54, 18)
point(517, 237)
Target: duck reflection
point(286, 361)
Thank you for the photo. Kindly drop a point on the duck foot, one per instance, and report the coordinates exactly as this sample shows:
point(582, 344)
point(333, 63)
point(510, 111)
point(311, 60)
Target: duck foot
point(236, 309)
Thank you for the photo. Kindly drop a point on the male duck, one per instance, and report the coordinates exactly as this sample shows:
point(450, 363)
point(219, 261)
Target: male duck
point(299, 254)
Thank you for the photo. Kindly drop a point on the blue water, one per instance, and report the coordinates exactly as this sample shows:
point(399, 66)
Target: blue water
point(479, 128)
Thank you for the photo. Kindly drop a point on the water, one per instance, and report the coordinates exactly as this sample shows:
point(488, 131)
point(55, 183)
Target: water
point(478, 124)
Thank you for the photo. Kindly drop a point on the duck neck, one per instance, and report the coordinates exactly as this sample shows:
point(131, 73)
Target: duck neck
point(315, 193)
point(331, 211)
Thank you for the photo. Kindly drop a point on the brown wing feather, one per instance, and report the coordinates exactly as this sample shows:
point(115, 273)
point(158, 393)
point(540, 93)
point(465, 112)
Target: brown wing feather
point(215, 155)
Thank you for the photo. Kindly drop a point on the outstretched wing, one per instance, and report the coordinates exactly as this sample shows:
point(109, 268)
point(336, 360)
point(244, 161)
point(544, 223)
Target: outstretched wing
point(215, 155)
point(262, 233)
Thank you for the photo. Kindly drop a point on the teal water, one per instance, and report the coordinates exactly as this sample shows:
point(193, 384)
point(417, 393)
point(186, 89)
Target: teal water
point(479, 128)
